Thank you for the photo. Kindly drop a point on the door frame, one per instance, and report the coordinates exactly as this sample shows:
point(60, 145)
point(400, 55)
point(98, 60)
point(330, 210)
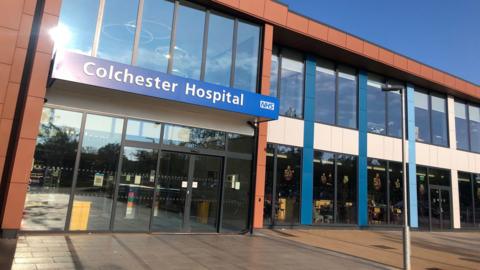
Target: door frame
point(440, 189)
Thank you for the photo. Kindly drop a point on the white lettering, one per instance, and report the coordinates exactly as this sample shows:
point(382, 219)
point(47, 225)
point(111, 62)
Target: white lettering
point(127, 77)
point(139, 80)
point(149, 82)
point(86, 70)
point(101, 72)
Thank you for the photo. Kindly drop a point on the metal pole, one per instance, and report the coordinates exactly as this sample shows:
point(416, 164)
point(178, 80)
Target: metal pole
point(406, 229)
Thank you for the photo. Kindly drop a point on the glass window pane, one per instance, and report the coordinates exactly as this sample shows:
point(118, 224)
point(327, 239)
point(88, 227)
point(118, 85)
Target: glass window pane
point(438, 177)
point(422, 117)
point(289, 172)
point(394, 120)
point(376, 113)
point(118, 31)
point(154, 45)
point(396, 192)
point(461, 125)
point(422, 198)
point(466, 201)
point(187, 55)
point(323, 188)
point(246, 60)
point(193, 137)
point(77, 25)
point(291, 92)
point(325, 92)
point(52, 173)
point(439, 118)
point(346, 189)
point(219, 50)
point(143, 131)
point(96, 175)
point(347, 98)
point(236, 195)
point(476, 194)
point(269, 172)
point(474, 117)
point(377, 191)
point(240, 143)
point(274, 76)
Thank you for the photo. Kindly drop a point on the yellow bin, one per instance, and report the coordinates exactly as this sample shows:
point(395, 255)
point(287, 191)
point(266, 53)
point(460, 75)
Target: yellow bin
point(80, 214)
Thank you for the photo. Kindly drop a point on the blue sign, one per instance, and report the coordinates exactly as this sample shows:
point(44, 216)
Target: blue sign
point(84, 69)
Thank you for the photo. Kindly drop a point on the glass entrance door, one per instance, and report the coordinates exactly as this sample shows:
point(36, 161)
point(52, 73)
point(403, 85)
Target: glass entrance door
point(187, 193)
point(440, 217)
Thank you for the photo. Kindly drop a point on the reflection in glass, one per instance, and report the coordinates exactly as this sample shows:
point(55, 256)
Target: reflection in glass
point(438, 177)
point(461, 126)
point(347, 98)
point(246, 61)
point(476, 192)
point(218, 60)
point(118, 31)
point(346, 189)
point(377, 192)
point(394, 116)
point(143, 131)
point(474, 118)
point(193, 137)
point(77, 24)
point(287, 209)
point(325, 85)
point(422, 117)
point(96, 175)
point(51, 176)
point(236, 195)
point(135, 189)
point(396, 192)
point(269, 180)
point(291, 85)
point(422, 198)
point(187, 55)
point(439, 118)
point(274, 75)
point(376, 107)
point(154, 45)
point(240, 143)
point(465, 190)
point(323, 188)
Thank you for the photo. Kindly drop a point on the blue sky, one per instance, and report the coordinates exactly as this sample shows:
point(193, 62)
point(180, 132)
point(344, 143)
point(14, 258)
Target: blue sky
point(444, 34)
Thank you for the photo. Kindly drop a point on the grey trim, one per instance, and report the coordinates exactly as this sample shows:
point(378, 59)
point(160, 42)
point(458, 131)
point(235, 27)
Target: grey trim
point(96, 38)
point(138, 31)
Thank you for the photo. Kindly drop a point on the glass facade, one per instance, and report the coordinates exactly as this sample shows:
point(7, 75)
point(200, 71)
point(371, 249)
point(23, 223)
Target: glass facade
point(461, 126)
point(290, 83)
point(334, 188)
point(469, 196)
point(282, 185)
point(325, 92)
point(136, 175)
point(474, 124)
point(431, 121)
point(226, 52)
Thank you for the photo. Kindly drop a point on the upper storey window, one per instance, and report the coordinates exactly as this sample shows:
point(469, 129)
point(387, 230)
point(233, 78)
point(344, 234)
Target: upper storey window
point(335, 95)
point(467, 126)
point(431, 118)
point(176, 37)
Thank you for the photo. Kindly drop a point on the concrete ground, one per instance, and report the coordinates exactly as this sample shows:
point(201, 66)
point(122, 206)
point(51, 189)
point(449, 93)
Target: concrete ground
point(143, 251)
point(430, 250)
point(268, 249)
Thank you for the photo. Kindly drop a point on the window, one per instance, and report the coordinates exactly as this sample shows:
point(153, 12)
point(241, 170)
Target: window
point(474, 121)
point(219, 50)
point(118, 31)
point(431, 118)
point(154, 45)
point(384, 112)
point(290, 92)
point(385, 192)
point(78, 19)
point(143, 131)
point(246, 61)
point(52, 172)
point(466, 184)
point(282, 197)
point(461, 126)
point(334, 188)
point(347, 97)
point(325, 92)
point(193, 137)
point(274, 74)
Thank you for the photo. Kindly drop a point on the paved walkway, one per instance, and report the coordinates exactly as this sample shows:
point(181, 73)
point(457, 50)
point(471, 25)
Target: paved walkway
point(430, 250)
point(143, 251)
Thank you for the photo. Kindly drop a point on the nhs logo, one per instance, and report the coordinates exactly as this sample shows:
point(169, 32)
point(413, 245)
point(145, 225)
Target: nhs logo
point(267, 105)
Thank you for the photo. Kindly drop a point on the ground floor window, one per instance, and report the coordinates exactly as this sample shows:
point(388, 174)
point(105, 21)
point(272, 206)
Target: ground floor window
point(95, 172)
point(334, 188)
point(434, 198)
point(385, 193)
point(282, 185)
point(469, 196)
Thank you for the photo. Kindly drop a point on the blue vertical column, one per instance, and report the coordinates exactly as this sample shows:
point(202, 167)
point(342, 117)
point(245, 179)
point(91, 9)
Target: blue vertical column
point(362, 149)
point(307, 161)
point(412, 163)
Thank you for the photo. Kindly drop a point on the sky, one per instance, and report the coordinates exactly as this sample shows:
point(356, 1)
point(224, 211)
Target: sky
point(444, 34)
